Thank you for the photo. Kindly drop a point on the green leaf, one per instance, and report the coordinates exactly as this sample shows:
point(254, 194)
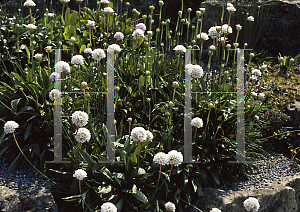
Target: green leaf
point(87, 158)
point(2, 137)
point(28, 53)
point(27, 132)
point(71, 198)
point(107, 173)
point(215, 176)
point(140, 196)
point(67, 17)
point(119, 204)
point(141, 81)
point(104, 189)
point(14, 162)
point(60, 172)
point(82, 48)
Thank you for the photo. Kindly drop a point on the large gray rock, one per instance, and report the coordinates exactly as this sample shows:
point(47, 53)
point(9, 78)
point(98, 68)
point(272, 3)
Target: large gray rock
point(294, 113)
point(285, 197)
point(13, 201)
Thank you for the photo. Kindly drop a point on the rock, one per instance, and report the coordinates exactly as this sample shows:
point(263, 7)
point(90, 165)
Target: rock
point(13, 201)
point(283, 198)
point(294, 113)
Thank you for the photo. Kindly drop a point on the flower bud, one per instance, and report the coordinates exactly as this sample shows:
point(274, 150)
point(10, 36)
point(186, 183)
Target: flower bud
point(193, 27)
point(189, 10)
point(117, 88)
point(151, 7)
point(245, 45)
point(228, 46)
point(202, 10)
point(161, 3)
point(72, 40)
point(84, 85)
point(238, 27)
point(168, 21)
point(157, 30)
point(198, 13)
point(129, 119)
point(144, 17)
point(175, 84)
point(152, 21)
point(280, 59)
point(127, 4)
point(147, 73)
point(167, 113)
point(251, 55)
point(180, 13)
point(212, 48)
point(210, 105)
point(148, 100)
point(193, 42)
point(236, 45)
point(210, 53)
point(170, 103)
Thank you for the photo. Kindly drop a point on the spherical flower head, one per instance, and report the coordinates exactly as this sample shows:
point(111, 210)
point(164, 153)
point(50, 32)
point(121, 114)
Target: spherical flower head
point(149, 33)
point(138, 134)
point(160, 3)
point(108, 207)
point(104, 2)
point(251, 204)
point(231, 10)
point(83, 135)
point(202, 9)
point(64, 1)
point(198, 13)
point(51, 15)
point(223, 40)
point(197, 122)
point(53, 94)
point(250, 18)
point(83, 85)
point(251, 55)
point(88, 51)
point(212, 48)
point(175, 157)
point(108, 10)
point(263, 67)
point(48, 49)
point(80, 174)
point(180, 49)
point(62, 66)
point(229, 5)
point(38, 57)
point(30, 27)
point(197, 71)
point(175, 84)
point(161, 158)
point(226, 29)
point(170, 207)
point(238, 27)
point(189, 68)
point(253, 77)
point(213, 33)
point(149, 136)
point(77, 60)
point(119, 36)
point(189, 10)
point(54, 76)
point(80, 118)
point(10, 126)
point(29, 4)
point(256, 72)
point(215, 210)
point(98, 54)
point(228, 46)
point(90, 23)
point(141, 26)
point(261, 96)
point(254, 94)
point(79, 1)
point(236, 45)
point(72, 39)
point(138, 33)
point(203, 36)
point(114, 48)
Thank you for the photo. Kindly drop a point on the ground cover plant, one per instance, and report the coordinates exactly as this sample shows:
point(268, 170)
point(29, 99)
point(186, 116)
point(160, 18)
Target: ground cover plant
point(149, 77)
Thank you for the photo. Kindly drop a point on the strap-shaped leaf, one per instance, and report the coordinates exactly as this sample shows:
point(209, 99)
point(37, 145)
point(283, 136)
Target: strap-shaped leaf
point(140, 196)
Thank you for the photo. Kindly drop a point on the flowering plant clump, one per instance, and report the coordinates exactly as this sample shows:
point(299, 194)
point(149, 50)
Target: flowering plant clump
point(197, 122)
point(62, 66)
point(10, 127)
point(80, 174)
point(138, 33)
point(119, 36)
point(54, 93)
point(251, 204)
point(77, 60)
point(139, 134)
point(170, 207)
point(83, 135)
point(98, 54)
point(80, 118)
point(108, 207)
point(180, 49)
point(175, 157)
point(161, 158)
point(114, 48)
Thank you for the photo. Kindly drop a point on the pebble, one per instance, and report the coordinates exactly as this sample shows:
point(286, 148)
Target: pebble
point(24, 180)
point(272, 168)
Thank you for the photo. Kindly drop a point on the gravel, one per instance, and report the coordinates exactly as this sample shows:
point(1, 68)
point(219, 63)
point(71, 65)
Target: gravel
point(24, 180)
point(272, 168)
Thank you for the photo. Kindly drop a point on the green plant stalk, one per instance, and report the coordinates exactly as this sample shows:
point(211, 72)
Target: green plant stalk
point(162, 32)
point(201, 49)
point(62, 14)
point(197, 27)
point(223, 6)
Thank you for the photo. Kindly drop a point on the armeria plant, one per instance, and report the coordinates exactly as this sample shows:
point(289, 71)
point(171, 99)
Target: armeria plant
point(149, 173)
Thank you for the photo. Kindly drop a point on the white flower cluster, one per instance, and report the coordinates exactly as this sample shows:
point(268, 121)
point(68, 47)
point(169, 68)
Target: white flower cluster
point(104, 2)
point(108, 10)
point(90, 23)
point(30, 27)
point(83, 135)
point(80, 118)
point(64, 1)
point(251, 204)
point(138, 33)
point(77, 59)
point(38, 57)
point(195, 70)
point(203, 36)
point(175, 157)
point(88, 51)
point(80, 174)
point(250, 18)
point(256, 72)
point(114, 48)
point(170, 207)
point(214, 33)
point(180, 49)
point(261, 96)
point(149, 136)
point(10, 126)
point(29, 3)
point(141, 26)
point(226, 29)
point(98, 54)
point(53, 93)
point(119, 36)
point(215, 210)
point(161, 158)
point(139, 134)
point(51, 15)
point(54, 76)
point(48, 48)
point(108, 207)
point(62, 66)
point(197, 122)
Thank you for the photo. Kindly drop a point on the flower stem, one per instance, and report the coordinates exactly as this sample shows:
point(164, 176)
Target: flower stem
point(159, 174)
point(80, 186)
point(171, 170)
